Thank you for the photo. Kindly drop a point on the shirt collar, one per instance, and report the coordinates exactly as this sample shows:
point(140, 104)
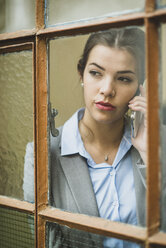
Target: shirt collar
point(71, 138)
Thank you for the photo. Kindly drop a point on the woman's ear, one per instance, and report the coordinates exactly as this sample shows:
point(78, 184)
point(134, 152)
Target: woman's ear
point(81, 78)
point(80, 74)
point(81, 82)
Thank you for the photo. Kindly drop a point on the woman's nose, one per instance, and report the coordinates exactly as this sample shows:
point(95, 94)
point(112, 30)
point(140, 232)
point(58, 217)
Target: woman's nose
point(108, 88)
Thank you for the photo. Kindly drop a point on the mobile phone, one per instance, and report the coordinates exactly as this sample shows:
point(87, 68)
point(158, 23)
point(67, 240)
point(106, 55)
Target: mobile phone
point(136, 117)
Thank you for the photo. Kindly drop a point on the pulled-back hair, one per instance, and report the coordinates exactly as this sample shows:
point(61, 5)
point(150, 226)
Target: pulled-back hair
point(129, 39)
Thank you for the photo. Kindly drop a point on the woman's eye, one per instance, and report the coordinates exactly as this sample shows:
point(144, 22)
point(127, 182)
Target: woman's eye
point(95, 73)
point(125, 79)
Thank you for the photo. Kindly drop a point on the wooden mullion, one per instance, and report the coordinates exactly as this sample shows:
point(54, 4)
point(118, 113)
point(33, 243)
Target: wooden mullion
point(152, 66)
point(41, 171)
point(92, 26)
point(158, 239)
point(18, 35)
point(40, 14)
point(149, 6)
point(41, 137)
point(41, 121)
point(41, 125)
point(124, 20)
point(94, 224)
point(16, 47)
point(18, 205)
point(157, 12)
point(35, 137)
point(157, 15)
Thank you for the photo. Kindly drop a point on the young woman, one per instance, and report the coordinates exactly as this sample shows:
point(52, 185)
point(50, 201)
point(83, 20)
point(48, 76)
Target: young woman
point(97, 167)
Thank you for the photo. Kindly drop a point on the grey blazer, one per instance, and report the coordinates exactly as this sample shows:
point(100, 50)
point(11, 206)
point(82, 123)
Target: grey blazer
point(71, 190)
point(71, 186)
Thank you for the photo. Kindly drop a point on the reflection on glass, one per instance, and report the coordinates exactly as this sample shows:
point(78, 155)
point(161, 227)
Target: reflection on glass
point(16, 122)
point(94, 169)
point(58, 11)
point(16, 229)
point(63, 236)
point(160, 3)
point(163, 125)
point(16, 15)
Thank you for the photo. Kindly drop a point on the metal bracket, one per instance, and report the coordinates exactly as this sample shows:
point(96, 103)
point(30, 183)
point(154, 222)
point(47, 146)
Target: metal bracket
point(52, 113)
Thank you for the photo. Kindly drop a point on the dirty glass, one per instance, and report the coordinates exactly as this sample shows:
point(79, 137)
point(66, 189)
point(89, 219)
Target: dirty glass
point(16, 122)
point(63, 11)
point(162, 98)
point(16, 15)
point(64, 236)
point(160, 3)
point(16, 229)
point(70, 162)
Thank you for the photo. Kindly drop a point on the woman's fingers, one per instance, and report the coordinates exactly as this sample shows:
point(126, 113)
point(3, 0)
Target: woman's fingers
point(138, 104)
point(138, 107)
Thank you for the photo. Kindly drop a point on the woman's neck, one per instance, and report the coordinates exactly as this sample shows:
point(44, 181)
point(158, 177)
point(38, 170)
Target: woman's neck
point(101, 134)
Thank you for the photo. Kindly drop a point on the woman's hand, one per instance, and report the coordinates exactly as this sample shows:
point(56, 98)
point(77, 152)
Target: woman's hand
point(138, 103)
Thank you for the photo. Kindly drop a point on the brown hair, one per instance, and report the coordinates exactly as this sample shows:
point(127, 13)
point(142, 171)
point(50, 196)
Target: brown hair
point(130, 39)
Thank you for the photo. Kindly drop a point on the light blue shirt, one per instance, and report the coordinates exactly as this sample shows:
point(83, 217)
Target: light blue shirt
point(113, 184)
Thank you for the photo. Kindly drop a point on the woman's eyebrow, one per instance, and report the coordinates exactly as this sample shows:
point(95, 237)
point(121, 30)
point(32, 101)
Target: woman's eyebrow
point(119, 72)
point(123, 72)
point(100, 67)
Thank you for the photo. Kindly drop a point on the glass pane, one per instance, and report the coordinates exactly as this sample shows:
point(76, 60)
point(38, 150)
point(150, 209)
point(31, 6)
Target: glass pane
point(16, 15)
point(16, 229)
point(58, 11)
point(63, 75)
point(16, 122)
point(64, 236)
point(163, 125)
point(109, 73)
point(160, 3)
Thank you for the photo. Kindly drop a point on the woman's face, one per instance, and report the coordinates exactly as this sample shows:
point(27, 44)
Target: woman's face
point(110, 82)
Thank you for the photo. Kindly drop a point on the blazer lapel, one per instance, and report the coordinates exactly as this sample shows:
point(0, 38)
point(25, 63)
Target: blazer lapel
point(78, 177)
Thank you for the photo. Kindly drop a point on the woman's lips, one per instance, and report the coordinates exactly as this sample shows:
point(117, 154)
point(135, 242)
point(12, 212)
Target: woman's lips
point(105, 106)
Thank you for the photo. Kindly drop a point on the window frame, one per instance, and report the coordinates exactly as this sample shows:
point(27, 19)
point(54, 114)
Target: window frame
point(36, 38)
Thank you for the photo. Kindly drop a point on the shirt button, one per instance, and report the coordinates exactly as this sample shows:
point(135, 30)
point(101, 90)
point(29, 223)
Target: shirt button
point(111, 173)
point(115, 203)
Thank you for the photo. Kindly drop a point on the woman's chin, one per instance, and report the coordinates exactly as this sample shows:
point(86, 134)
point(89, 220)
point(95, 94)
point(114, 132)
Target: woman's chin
point(106, 119)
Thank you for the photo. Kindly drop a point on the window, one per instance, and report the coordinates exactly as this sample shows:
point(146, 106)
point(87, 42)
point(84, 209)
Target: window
point(31, 47)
